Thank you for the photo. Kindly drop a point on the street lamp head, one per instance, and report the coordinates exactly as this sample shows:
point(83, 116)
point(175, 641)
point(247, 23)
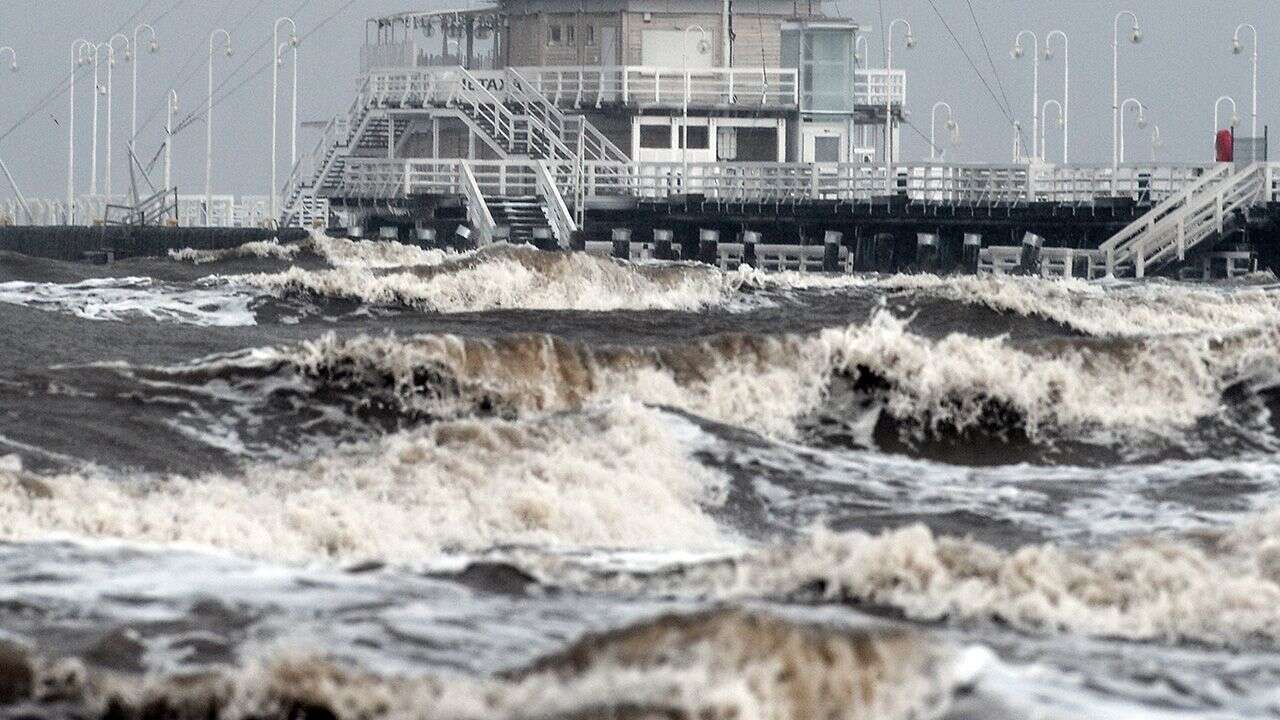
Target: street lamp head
point(1136, 36)
point(911, 41)
point(1235, 119)
point(1017, 50)
point(154, 46)
point(102, 89)
point(294, 41)
point(1048, 53)
point(1236, 48)
point(230, 52)
point(951, 125)
point(128, 55)
point(1061, 121)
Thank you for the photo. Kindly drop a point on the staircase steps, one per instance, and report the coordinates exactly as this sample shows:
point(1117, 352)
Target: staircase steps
point(520, 214)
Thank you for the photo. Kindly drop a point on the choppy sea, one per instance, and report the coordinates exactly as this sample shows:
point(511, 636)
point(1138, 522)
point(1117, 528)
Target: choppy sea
point(345, 479)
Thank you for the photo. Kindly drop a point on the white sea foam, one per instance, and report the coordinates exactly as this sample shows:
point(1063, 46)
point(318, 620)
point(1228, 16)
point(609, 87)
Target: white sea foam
point(257, 248)
point(509, 277)
point(1219, 587)
point(561, 481)
point(714, 665)
point(1151, 388)
point(1106, 310)
point(129, 298)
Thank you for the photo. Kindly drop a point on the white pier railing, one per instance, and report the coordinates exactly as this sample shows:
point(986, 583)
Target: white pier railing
point(929, 183)
point(652, 86)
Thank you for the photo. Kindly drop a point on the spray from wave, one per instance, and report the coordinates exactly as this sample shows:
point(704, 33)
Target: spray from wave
point(507, 277)
point(773, 384)
point(561, 481)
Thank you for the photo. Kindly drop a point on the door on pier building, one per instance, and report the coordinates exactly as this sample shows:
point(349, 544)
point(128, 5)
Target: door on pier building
point(822, 144)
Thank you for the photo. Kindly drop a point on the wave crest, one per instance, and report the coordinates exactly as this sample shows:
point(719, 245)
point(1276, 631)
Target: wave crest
point(716, 664)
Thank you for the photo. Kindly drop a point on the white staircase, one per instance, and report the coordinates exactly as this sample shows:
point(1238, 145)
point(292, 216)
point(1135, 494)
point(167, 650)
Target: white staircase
point(524, 124)
point(1203, 211)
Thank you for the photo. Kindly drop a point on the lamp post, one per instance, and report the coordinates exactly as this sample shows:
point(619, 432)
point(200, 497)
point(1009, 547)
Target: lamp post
point(275, 85)
point(1035, 84)
point(1142, 120)
point(1062, 123)
point(1066, 87)
point(1236, 48)
point(168, 143)
point(861, 56)
point(111, 61)
point(933, 127)
point(208, 128)
point(77, 49)
point(910, 42)
point(684, 124)
point(1136, 37)
point(1217, 105)
point(98, 90)
point(132, 57)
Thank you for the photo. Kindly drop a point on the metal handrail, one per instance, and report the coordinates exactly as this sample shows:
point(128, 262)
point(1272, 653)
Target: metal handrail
point(562, 223)
point(478, 213)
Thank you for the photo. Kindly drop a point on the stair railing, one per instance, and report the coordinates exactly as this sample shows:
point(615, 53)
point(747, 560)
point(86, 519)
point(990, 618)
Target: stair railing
point(562, 222)
point(478, 213)
point(484, 106)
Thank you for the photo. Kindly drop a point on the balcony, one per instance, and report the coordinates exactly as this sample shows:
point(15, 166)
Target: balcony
point(663, 87)
point(880, 88)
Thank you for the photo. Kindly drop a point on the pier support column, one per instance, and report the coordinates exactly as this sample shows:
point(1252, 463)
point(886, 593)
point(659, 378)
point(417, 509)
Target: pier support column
point(709, 246)
point(1030, 264)
point(885, 249)
point(662, 244)
point(950, 251)
point(969, 254)
point(927, 252)
point(622, 243)
point(688, 244)
point(864, 251)
point(750, 238)
point(462, 238)
point(425, 235)
point(831, 251)
point(543, 240)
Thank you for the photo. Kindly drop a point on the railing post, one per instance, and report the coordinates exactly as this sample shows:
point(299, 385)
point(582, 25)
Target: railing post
point(1182, 238)
point(626, 86)
point(1111, 261)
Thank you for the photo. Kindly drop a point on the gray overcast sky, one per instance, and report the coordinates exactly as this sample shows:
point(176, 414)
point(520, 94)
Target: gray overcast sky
point(1182, 66)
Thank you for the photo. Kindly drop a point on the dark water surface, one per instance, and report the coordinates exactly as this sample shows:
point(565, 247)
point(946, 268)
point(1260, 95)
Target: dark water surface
point(366, 480)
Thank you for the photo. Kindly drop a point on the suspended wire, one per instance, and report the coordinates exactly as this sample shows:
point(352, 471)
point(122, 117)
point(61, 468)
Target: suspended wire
point(1007, 114)
point(223, 96)
point(67, 80)
point(990, 59)
point(189, 65)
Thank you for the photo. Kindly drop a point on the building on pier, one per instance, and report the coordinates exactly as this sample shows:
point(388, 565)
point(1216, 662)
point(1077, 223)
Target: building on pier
point(646, 128)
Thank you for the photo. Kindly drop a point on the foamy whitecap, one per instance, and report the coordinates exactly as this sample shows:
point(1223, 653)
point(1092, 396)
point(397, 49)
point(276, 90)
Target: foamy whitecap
point(507, 277)
point(561, 481)
point(712, 664)
point(768, 383)
point(131, 298)
point(256, 249)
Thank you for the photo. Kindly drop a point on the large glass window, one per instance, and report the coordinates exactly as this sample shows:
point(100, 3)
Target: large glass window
point(698, 137)
point(655, 137)
point(553, 35)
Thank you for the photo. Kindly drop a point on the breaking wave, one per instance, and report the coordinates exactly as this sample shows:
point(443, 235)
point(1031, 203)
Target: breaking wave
point(505, 277)
point(778, 385)
point(1218, 587)
point(560, 481)
point(715, 664)
point(339, 252)
point(1106, 310)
